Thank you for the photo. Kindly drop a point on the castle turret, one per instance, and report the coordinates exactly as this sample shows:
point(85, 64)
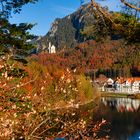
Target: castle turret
point(51, 48)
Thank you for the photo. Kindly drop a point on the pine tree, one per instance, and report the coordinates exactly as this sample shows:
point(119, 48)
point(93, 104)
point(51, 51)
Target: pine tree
point(14, 37)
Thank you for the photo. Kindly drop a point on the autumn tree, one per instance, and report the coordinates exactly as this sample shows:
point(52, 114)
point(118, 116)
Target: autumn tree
point(124, 23)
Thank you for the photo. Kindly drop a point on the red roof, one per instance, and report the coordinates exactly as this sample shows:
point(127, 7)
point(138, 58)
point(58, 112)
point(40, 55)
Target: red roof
point(121, 80)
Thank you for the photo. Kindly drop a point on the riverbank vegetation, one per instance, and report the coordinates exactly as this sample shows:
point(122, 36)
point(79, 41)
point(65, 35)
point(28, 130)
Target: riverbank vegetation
point(30, 91)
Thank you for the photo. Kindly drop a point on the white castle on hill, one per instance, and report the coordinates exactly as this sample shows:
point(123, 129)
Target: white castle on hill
point(51, 48)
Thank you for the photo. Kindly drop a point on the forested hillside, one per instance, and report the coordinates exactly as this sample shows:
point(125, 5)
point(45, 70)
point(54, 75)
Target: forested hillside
point(87, 24)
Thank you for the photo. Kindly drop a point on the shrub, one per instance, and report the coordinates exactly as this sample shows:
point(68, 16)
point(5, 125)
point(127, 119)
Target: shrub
point(85, 87)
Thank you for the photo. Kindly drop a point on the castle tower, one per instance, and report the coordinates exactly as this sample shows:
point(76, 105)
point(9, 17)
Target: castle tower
point(49, 48)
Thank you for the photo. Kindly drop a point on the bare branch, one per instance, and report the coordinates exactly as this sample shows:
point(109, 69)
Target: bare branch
point(38, 127)
point(24, 84)
point(106, 14)
point(130, 5)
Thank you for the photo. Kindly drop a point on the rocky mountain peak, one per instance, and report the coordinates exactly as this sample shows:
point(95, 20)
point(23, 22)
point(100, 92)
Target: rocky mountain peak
point(65, 32)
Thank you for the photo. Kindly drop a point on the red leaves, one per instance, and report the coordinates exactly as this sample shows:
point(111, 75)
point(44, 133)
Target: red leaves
point(106, 54)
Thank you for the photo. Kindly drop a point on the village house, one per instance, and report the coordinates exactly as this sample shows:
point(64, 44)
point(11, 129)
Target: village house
point(100, 82)
point(104, 84)
point(127, 85)
point(110, 83)
point(120, 85)
point(136, 85)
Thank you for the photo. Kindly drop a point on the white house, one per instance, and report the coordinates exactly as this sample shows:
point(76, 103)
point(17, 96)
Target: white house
point(136, 86)
point(128, 85)
point(121, 85)
point(110, 81)
point(104, 83)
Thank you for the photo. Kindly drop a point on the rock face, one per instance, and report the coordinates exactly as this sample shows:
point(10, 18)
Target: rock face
point(65, 32)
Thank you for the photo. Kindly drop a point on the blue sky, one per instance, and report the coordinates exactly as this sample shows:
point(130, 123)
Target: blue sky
point(45, 11)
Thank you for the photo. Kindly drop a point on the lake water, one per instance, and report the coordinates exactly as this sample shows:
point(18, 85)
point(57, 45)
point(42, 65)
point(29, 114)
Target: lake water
point(123, 115)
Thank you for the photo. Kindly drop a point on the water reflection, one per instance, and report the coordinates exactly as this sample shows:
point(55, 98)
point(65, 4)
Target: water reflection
point(122, 104)
point(123, 115)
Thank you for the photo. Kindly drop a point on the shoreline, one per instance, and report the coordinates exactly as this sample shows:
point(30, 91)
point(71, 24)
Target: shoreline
point(77, 106)
point(120, 95)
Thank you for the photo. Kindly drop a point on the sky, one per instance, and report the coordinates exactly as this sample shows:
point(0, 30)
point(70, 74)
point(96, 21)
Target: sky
point(44, 12)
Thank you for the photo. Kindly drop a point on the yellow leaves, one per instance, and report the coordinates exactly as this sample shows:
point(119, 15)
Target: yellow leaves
point(6, 127)
point(64, 91)
point(15, 115)
point(104, 121)
point(62, 77)
point(6, 74)
point(85, 87)
point(14, 106)
point(116, 14)
point(42, 88)
point(1, 66)
point(68, 81)
point(18, 86)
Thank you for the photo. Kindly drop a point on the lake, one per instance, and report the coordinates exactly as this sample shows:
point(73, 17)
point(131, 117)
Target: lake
point(123, 115)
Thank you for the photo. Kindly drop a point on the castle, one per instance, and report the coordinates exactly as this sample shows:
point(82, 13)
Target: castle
point(51, 48)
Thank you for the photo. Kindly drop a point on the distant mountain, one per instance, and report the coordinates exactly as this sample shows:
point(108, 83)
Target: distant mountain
point(65, 32)
point(89, 24)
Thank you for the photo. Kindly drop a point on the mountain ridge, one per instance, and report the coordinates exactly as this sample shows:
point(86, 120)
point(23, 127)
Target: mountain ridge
point(65, 32)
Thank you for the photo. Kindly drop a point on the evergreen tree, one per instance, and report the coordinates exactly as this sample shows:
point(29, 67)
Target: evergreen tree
point(12, 36)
